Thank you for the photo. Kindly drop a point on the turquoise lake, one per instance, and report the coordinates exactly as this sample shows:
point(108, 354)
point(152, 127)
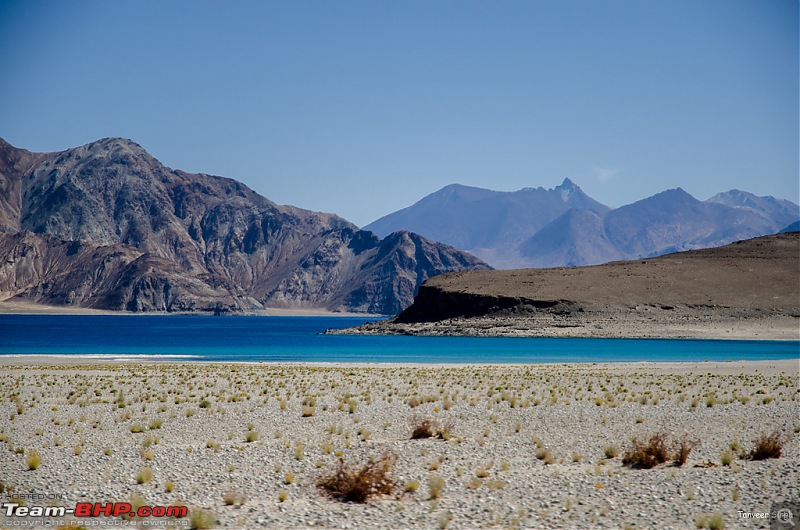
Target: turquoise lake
point(298, 339)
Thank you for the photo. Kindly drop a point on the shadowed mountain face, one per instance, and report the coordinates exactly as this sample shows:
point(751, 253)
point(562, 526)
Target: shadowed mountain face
point(107, 226)
point(565, 227)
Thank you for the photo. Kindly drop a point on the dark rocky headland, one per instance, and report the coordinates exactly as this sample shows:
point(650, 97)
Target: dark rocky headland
point(748, 289)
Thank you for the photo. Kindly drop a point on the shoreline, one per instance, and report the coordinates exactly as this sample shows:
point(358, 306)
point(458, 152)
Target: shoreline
point(25, 308)
point(610, 323)
point(80, 360)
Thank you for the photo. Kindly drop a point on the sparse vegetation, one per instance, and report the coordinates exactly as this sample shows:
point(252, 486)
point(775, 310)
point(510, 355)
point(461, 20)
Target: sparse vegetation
point(201, 519)
point(232, 497)
point(144, 475)
point(436, 484)
point(546, 455)
point(712, 522)
point(726, 458)
point(501, 409)
point(33, 460)
point(411, 486)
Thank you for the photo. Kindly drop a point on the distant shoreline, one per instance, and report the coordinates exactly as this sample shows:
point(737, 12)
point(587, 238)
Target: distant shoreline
point(82, 361)
point(24, 308)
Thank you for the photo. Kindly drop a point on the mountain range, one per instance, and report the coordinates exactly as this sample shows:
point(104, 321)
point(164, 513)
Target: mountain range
point(107, 226)
point(538, 227)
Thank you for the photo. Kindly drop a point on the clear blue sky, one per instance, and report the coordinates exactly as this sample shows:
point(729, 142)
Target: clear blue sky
point(362, 108)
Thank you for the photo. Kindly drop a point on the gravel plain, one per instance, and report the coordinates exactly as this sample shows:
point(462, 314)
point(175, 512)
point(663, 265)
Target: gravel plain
point(521, 446)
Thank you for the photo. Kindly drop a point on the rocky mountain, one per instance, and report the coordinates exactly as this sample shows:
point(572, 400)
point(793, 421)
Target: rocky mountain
point(781, 211)
point(566, 227)
point(489, 224)
point(108, 226)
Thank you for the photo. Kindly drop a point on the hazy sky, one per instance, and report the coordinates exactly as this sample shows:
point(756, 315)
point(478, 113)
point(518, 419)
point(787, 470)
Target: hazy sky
point(362, 108)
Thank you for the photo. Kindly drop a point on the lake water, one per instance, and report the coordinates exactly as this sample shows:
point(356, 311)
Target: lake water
point(298, 339)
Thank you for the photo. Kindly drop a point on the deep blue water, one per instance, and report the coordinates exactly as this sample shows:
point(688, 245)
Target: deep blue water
point(239, 338)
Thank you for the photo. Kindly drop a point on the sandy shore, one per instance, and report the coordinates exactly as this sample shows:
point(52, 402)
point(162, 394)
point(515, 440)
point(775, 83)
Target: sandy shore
point(527, 446)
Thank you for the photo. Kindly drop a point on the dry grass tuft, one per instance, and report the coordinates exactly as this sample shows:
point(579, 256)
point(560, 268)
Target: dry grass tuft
point(33, 460)
point(233, 497)
point(349, 483)
point(200, 519)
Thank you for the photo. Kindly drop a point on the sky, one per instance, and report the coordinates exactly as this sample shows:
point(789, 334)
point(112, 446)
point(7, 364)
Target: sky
point(362, 108)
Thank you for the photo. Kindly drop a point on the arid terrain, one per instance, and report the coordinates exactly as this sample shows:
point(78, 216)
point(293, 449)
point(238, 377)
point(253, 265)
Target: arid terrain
point(529, 446)
point(748, 289)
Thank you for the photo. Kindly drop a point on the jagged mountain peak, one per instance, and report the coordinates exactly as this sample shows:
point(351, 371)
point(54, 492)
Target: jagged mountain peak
point(568, 184)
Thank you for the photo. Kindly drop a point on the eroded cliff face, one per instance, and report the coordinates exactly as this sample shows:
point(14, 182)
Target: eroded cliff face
point(434, 304)
point(107, 226)
point(47, 270)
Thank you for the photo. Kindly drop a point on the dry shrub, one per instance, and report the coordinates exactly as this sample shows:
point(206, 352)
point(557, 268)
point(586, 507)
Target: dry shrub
point(767, 446)
point(349, 483)
point(657, 451)
point(647, 454)
point(683, 448)
point(429, 428)
point(423, 428)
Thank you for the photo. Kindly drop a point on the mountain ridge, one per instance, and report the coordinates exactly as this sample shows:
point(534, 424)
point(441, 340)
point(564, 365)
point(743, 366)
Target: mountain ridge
point(538, 227)
point(246, 251)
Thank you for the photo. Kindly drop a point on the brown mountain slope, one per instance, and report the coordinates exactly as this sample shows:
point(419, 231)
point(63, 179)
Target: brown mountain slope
point(211, 239)
point(710, 292)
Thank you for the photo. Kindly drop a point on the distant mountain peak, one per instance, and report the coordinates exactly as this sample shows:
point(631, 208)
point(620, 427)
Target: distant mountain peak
point(672, 194)
point(568, 189)
point(568, 184)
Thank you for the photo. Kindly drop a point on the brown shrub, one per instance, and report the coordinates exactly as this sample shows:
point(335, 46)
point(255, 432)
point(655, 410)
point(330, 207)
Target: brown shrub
point(430, 428)
point(683, 448)
point(649, 454)
point(767, 446)
point(423, 428)
point(349, 483)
